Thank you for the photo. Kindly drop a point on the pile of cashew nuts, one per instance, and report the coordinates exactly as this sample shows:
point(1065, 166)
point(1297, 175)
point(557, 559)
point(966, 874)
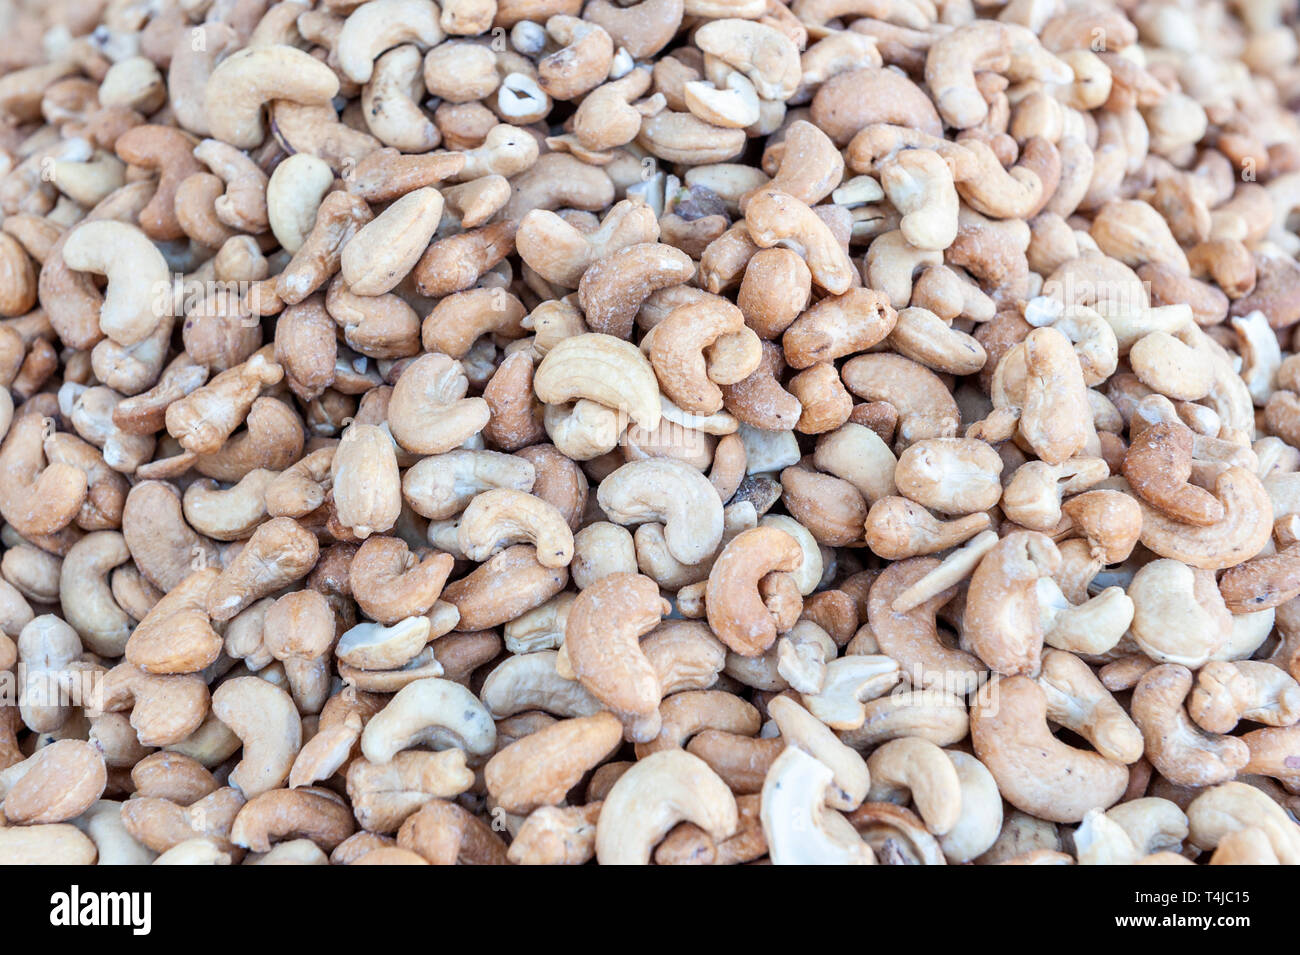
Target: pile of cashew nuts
point(676, 432)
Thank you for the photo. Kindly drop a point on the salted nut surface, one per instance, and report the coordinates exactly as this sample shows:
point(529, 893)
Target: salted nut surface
point(676, 432)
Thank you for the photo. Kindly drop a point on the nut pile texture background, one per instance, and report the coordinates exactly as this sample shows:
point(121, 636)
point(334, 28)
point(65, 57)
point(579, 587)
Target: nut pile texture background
point(693, 431)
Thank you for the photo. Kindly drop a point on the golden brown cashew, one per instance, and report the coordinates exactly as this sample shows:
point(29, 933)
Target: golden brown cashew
point(279, 552)
point(541, 768)
point(925, 406)
point(1240, 535)
point(912, 637)
point(605, 654)
point(176, 636)
point(35, 498)
point(318, 815)
point(390, 584)
point(778, 218)
point(613, 287)
point(734, 603)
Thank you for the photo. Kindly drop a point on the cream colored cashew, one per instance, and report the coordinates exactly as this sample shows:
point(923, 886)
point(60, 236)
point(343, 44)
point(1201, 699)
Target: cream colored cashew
point(293, 195)
point(669, 492)
point(499, 517)
point(1077, 700)
point(1246, 689)
point(244, 81)
point(764, 54)
point(851, 682)
point(919, 184)
point(850, 776)
point(915, 767)
point(428, 412)
point(138, 277)
point(432, 712)
point(1178, 613)
point(1100, 840)
point(1154, 824)
point(774, 217)
point(529, 681)
point(1037, 773)
point(1178, 749)
point(441, 485)
point(980, 821)
point(657, 793)
point(372, 646)
point(1231, 807)
point(798, 828)
point(266, 721)
point(381, 25)
point(603, 369)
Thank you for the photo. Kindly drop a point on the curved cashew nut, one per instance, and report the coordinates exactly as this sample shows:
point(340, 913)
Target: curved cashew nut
point(669, 492)
point(138, 276)
point(1077, 700)
point(656, 794)
point(613, 287)
point(1178, 613)
point(389, 584)
point(765, 55)
point(920, 185)
point(1232, 807)
point(244, 81)
point(925, 405)
point(430, 711)
point(318, 815)
point(266, 721)
point(37, 499)
point(915, 767)
point(603, 369)
point(1176, 747)
point(442, 485)
point(734, 604)
point(529, 681)
point(1255, 690)
point(801, 729)
point(980, 822)
point(500, 517)
point(428, 412)
point(1239, 536)
point(775, 217)
point(1001, 620)
point(605, 655)
point(1036, 772)
point(381, 25)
